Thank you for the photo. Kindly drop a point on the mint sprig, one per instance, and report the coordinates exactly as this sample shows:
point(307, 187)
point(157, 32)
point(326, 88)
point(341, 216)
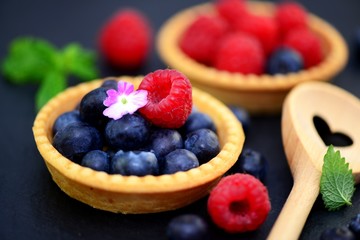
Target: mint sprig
point(337, 184)
point(36, 61)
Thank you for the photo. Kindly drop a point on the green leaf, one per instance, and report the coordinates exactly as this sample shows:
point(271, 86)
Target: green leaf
point(337, 184)
point(29, 60)
point(53, 83)
point(80, 62)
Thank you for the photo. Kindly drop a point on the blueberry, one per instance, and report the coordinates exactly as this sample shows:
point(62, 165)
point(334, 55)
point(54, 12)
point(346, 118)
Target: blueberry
point(76, 139)
point(198, 120)
point(137, 163)
point(130, 132)
point(354, 225)
point(97, 160)
point(164, 141)
point(338, 233)
point(65, 119)
point(110, 84)
point(179, 160)
point(92, 107)
point(251, 162)
point(203, 143)
point(284, 60)
point(243, 117)
point(187, 227)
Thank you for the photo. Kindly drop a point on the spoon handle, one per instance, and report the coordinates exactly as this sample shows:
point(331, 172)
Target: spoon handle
point(292, 218)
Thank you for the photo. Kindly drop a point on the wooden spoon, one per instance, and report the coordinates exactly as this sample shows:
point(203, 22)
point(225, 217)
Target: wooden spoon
point(305, 149)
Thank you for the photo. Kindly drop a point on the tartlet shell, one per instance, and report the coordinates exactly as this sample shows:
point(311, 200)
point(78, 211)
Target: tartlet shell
point(257, 93)
point(132, 194)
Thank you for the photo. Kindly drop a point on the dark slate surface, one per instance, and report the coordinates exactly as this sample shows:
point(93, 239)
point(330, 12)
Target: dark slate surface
point(31, 204)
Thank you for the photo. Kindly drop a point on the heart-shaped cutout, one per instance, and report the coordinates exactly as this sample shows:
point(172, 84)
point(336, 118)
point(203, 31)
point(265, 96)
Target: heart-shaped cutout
point(336, 139)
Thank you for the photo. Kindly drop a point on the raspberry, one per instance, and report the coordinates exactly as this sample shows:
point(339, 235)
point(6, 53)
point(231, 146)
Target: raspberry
point(169, 98)
point(231, 10)
point(201, 36)
point(265, 29)
point(290, 15)
point(240, 52)
point(239, 203)
point(307, 44)
point(125, 39)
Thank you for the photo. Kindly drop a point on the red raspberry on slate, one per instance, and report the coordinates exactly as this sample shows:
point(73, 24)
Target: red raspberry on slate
point(265, 29)
point(307, 44)
point(290, 15)
point(231, 10)
point(169, 98)
point(201, 37)
point(239, 203)
point(125, 39)
point(240, 52)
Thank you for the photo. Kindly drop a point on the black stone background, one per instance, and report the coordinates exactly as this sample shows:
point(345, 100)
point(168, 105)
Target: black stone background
point(31, 204)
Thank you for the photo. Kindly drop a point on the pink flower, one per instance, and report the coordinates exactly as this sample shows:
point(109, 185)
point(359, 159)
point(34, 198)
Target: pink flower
point(123, 101)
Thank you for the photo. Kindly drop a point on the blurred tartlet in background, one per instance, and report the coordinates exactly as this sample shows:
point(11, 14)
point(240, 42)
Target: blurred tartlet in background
point(228, 48)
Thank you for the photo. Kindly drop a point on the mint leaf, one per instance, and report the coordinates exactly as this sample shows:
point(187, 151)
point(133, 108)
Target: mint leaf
point(32, 60)
point(29, 60)
point(53, 83)
point(337, 184)
point(80, 62)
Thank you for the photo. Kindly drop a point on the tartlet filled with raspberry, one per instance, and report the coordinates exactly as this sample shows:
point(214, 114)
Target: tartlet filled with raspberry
point(251, 53)
point(129, 121)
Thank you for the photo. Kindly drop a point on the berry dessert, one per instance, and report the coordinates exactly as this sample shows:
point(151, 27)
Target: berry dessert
point(256, 76)
point(239, 203)
point(128, 150)
point(140, 127)
point(125, 39)
point(207, 40)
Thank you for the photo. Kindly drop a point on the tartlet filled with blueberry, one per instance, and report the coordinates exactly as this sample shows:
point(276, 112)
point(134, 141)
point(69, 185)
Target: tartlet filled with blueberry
point(251, 53)
point(137, 144)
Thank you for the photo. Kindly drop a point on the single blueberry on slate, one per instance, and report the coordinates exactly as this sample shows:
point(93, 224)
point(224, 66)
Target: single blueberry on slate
point(251, 162)
point(284, 60)
point(203, 143)
point(137, 163)
point(65, 119)
point(243, 117)
point(187, 227)
point(97, 160)
point(354, 225)
point(198, 120)
point(76, 139)
point(92, 108)
point(179, 160)
point(164, 141)
point(131, 132)
point(110, 84)
point(337, 233)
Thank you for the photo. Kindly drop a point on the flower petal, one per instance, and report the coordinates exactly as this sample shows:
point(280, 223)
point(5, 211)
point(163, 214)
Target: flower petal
point(125, 88)
point(115, 111)
point(138, 98)
point(112, 97)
